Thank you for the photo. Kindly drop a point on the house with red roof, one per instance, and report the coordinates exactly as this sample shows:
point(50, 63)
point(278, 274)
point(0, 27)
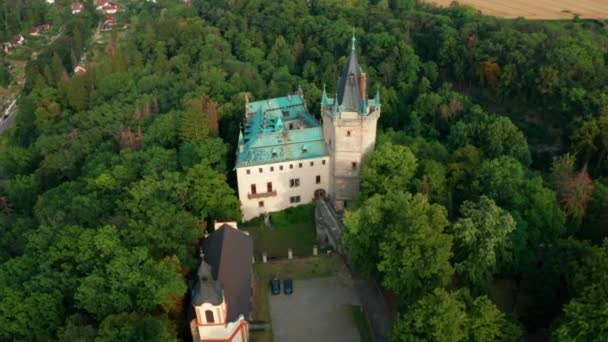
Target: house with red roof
point(40, 29)
point(76, 7)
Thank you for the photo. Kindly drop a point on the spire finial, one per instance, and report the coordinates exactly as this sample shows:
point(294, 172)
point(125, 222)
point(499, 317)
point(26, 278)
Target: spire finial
point(354, 39)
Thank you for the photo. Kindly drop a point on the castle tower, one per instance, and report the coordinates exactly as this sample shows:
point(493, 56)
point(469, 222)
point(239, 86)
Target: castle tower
point(349, 130)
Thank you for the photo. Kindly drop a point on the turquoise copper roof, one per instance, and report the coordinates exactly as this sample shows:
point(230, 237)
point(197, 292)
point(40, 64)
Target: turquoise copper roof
point(266, 138)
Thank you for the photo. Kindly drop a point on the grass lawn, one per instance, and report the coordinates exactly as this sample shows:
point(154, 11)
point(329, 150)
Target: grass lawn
point(303, 268)
point(291, 228)
point(361, 323)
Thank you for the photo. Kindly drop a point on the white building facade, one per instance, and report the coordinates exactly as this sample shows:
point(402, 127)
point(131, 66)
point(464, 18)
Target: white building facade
point(286, 157)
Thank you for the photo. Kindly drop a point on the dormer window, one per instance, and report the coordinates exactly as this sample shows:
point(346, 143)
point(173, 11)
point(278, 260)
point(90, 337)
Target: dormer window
point(304, 148)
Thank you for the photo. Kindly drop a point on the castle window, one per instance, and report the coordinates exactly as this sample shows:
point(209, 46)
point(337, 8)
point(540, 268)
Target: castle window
point(261, 204)
point(300, 165)
point(281, 167)
point(271, 168)
point(294, 199)
point(248, 172)
point(269, 187)
point(261, 170)
point(312, 163)
point(253, 189)
point(294, 182)
point(318, 179)
point(323, 162)
point(348, 133)
point(291, 166)
point(354, 165)
point(209, 316)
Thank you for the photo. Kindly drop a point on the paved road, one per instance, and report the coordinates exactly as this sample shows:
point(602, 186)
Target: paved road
point(374, 305)
point(11, 110)
point(318, 310)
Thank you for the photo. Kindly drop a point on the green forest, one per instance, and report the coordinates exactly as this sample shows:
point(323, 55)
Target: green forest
point(484, 208)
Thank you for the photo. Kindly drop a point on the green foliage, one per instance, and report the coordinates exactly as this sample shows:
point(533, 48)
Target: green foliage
point(405, 225)
point(133, 327)
point(70, 173)
point(586, 316)
point(414, 257)
point(481, 240)
point(390, 168)
point(445, 316)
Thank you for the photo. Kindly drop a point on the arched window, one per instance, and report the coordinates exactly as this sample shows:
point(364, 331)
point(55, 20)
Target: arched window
point(209, 316)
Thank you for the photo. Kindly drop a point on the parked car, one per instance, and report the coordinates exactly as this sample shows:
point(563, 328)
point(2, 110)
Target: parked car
point(275, 286)
point(288, 286)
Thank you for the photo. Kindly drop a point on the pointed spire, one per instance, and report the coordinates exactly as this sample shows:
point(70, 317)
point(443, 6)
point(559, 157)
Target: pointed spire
point(279, 125)
point(354, 40)
point(246, 106)
point(336, 103)
point(241, 140)
point(300, 91)
point(324, 99)
point(377, 97)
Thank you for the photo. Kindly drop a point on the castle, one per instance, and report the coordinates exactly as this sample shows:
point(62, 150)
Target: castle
point(285, 157)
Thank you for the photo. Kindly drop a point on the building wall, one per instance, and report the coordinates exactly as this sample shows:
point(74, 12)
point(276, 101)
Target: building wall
point(280, 180)
point(219, 313)
point(350, 138)
point(237, 331)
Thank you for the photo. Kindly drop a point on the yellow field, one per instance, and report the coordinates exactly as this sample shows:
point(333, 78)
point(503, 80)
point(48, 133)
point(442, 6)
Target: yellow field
point(537, 9)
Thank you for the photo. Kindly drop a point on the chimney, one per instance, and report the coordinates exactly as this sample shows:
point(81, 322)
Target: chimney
point(362, 82)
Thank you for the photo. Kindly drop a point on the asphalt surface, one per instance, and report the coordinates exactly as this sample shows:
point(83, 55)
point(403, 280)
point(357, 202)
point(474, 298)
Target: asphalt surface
point(6, 122)
point(318, 310)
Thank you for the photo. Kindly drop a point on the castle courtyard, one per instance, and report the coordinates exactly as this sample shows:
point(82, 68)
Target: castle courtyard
point(319, 309)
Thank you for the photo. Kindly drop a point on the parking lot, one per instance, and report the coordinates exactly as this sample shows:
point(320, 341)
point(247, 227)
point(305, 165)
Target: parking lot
point(318, 310)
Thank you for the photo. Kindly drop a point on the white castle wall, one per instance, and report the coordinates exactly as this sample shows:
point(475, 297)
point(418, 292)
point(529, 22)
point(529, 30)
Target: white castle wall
point(280, 179)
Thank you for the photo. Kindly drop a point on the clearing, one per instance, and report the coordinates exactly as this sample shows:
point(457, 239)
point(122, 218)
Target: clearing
point(537, 9)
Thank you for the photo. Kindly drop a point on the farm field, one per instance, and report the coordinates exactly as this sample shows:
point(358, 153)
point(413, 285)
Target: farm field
point(537, 9)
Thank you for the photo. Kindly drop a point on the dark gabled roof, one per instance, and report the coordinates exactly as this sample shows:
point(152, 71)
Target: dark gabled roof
point(349, 92)
point(206, 290)
point(229, 252)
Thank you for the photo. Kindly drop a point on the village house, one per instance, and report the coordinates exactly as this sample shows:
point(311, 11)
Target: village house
point(18, 40)
point(285, 157)
point(107, 7)
point(221, 295)
point(80, 70)
point(40, 29)
point(76, 7)
point(108, 23)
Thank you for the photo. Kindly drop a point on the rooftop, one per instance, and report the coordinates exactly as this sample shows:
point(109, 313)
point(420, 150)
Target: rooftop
point(278, 130)
point(228, 251)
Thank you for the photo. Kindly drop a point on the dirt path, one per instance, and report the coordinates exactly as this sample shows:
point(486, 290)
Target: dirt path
point(537, 9)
